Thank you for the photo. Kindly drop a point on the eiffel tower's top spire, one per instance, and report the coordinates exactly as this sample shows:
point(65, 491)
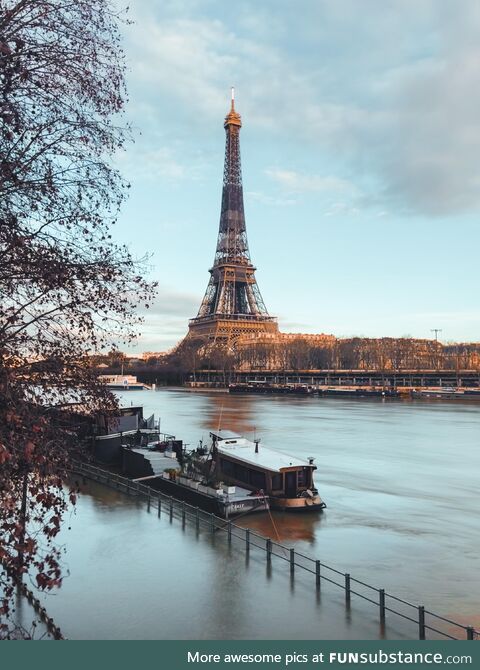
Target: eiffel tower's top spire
point(233, 118)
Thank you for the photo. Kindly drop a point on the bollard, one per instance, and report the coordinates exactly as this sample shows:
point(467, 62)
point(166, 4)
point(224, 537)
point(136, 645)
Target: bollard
point(159, 511)
point(347, 587)
point(269, 551)
point(148, 503)
point(381, 595)
point(421, 622)
point(197, 519)
point(247, 540)
point(183, 513)
point(171, 508)
point(470, 633)
point(212, 523)
point(229, 532)
point(292, 561)
point(317, 574)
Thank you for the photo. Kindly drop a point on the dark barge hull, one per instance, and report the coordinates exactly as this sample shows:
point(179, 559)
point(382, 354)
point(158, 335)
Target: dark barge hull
point(270, 389)
point(307, 509)
point(205, 502)
point(358, 393)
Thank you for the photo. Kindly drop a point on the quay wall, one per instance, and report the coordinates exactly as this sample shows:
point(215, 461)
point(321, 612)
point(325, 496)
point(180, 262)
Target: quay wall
point(407, 379)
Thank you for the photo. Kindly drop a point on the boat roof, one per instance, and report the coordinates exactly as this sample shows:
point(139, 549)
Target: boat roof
point(221, 434)
point(268, 459)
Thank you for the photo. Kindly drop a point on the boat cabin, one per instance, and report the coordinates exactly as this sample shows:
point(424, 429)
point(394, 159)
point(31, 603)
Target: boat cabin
point(255, 467)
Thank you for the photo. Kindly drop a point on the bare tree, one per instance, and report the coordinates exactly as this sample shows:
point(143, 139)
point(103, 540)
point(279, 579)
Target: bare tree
point(65, 288)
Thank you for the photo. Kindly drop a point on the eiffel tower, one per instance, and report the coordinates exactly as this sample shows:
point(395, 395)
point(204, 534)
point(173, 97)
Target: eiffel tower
point(232, 305)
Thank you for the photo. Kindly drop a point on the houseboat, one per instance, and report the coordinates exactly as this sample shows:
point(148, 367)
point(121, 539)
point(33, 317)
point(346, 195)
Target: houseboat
point(286, 480)
point(122, 383)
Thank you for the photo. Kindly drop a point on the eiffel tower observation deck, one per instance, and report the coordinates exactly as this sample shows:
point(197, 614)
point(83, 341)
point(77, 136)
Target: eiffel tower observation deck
point(232, 305)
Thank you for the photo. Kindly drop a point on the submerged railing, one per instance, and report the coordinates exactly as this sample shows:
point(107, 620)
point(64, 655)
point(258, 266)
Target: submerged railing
point(422, 618)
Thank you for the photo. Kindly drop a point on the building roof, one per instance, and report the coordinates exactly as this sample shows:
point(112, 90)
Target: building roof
point(268, 459)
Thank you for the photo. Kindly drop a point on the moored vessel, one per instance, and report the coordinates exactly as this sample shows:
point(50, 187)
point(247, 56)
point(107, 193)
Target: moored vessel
point(253, 386)
point(287, 480)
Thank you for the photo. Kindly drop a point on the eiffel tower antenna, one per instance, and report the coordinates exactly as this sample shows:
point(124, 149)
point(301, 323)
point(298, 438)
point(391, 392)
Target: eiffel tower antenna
point(232, 304)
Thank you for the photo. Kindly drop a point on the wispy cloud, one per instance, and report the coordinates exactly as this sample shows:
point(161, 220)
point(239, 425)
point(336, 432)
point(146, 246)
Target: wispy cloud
point(171, 302)
point(296, 182)
point(341, 209)
point(266, 199)
point(399, 104)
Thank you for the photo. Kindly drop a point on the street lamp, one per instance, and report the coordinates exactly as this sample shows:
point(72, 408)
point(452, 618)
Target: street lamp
point(436, 331)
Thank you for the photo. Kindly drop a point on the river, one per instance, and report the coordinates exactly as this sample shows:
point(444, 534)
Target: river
point(401, 481)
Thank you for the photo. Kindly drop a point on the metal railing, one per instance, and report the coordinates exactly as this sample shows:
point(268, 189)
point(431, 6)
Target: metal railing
point(424, 619)
point(52, 629)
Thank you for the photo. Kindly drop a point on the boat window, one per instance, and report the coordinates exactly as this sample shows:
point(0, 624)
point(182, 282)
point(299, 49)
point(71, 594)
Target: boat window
point(257, 479)
point(277, 482)
point(304, 477)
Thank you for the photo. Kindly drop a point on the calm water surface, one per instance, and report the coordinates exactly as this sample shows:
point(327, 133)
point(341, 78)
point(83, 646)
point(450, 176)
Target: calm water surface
point(401, 481)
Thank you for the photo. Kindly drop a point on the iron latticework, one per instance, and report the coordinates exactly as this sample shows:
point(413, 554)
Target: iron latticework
point(232, 304)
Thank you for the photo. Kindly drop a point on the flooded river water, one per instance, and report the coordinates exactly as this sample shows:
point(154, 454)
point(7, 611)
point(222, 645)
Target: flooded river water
point(401, 481)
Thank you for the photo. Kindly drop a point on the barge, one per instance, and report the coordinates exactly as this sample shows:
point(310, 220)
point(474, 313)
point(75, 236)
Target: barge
point(123, 383)
point(358, 392)
point(446, 394)
point(224, 501)
point(266, 387)
point(287, 480)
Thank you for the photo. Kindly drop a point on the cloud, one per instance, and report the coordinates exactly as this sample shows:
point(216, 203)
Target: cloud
point(344, 209)
point(173, 303)
point(394, 99)
point(151, 164)
point(296, 182)
point(266, 199)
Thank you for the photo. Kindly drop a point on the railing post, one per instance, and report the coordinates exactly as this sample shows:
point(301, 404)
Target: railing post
point(269, 550)
point(197, 519)
point(159, 506)
point(470, 633)
point(317, 574)
point(381, 595)
point(148, 503)
point(229, 532)
point(171, 508)
point(347, 587)
point(247, 540)
point(128, 487)
point(292, 561)
point(183, 513)
point(212, 523)
point(421, 622)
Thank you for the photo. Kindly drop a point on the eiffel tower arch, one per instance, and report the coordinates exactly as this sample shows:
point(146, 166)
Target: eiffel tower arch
point(232, 305)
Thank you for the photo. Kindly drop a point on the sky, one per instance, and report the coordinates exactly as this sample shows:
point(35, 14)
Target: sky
point(360, 154)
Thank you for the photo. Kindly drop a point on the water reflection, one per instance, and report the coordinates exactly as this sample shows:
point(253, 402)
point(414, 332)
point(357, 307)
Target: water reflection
point(222, 410)
point(285, 527)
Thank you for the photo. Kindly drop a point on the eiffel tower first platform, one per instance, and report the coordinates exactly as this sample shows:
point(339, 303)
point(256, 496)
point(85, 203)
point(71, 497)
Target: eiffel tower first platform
point(232, 305)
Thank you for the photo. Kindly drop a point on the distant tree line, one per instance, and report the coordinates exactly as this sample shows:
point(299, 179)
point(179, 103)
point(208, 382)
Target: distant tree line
point(357, 353)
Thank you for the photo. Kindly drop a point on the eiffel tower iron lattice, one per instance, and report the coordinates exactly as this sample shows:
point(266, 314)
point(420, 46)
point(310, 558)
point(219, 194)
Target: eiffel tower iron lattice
point(232, 305)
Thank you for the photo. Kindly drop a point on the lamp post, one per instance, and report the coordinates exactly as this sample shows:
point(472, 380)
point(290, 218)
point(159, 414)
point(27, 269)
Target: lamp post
point(436, 331)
